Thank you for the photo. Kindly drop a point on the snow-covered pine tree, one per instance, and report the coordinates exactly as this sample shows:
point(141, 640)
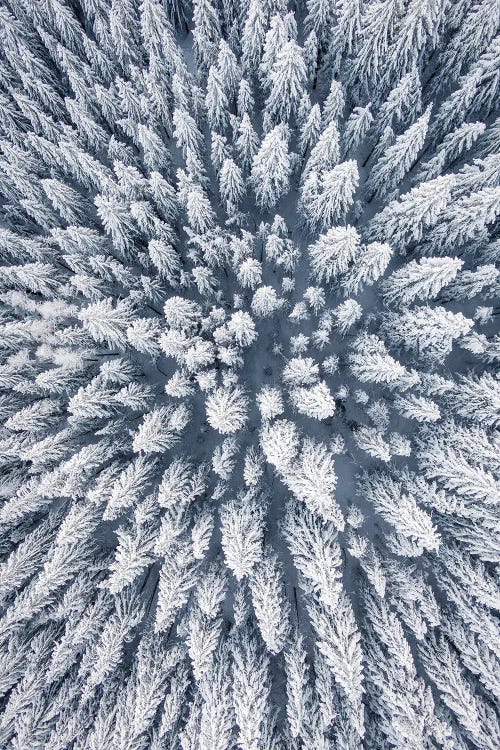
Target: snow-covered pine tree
point(271, 167)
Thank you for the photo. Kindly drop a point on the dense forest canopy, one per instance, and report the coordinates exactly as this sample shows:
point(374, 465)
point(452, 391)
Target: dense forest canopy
point(249, 467)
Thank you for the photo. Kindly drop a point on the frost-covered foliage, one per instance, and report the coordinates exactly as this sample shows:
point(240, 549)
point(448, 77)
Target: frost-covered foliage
point(249, 468)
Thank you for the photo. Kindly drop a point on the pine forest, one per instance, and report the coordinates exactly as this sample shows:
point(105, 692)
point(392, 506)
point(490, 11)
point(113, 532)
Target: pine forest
point(249, 375)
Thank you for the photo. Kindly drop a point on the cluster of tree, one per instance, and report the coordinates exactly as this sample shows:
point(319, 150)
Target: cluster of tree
point(248, 267)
